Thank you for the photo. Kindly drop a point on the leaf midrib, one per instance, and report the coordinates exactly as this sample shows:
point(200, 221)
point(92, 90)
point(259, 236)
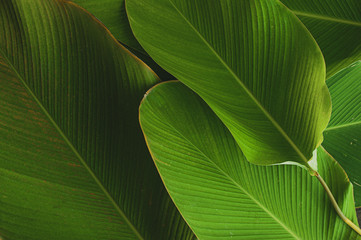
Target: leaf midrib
point(345, 125)
point(235, 183)
point(67, 141)
point(327, 18)
point(266, 113)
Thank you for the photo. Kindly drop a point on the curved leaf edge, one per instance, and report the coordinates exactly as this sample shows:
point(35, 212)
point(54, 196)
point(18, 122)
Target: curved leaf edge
point(151, 153)
point(347, 180)
point(303, 159)
point(100, 24)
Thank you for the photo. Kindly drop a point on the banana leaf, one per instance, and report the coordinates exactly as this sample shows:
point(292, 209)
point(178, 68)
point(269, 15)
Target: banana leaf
point(73, 162)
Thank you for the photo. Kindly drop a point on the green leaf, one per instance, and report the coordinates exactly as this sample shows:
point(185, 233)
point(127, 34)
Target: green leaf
point(223, 196)
point(112, 13)
point(73, 162)
point(343, 134)
point(254, 64)
point(336, 26)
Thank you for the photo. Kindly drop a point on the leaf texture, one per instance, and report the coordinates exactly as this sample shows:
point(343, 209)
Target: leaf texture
point(336, 26)
point(223, 196)
point(112, 13)
point(254, 64)
point(73, 162)
point(343, 134)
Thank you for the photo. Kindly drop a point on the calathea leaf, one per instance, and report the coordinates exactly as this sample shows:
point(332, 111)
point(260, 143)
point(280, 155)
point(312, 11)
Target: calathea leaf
point(253, 62)
point(336, 26)
point(223, 196)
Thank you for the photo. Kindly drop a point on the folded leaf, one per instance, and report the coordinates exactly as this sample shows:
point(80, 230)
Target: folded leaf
point(253, 62)
point(223, 196)
point(336, 26)
point(343, 134)
point(73, 162)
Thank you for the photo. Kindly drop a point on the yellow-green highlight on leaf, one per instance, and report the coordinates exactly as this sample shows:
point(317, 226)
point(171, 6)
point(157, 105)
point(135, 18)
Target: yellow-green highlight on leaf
point(253, 62)
point(73, 162)
point(223, 196)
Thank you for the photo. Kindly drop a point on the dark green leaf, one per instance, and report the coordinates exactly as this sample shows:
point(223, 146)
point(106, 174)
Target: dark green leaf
point(73, 162)
point(112, 13)
point(336, 26)
point(343, 134)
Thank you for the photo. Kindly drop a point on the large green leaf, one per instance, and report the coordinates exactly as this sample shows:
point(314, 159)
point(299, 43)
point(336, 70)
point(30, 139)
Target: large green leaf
point(223, 196)
point(253, 62)
point(73, 162)
point(343, 134)
point(336, 26)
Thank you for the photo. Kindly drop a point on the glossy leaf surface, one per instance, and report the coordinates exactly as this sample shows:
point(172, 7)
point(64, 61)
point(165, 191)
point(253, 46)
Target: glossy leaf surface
point(336, 26)
point(253, 62)
point(223, 196)
point(343, 134)
point(73, 162)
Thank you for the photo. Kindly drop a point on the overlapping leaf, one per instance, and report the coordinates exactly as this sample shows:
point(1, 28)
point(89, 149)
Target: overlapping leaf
point(336, 26)
point(253, 62)
point(112, 14)
point(343, 134)
point(223, 196)
point(73, 163)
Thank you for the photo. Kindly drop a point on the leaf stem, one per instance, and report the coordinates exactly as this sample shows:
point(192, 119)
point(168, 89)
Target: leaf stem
point(335, 205)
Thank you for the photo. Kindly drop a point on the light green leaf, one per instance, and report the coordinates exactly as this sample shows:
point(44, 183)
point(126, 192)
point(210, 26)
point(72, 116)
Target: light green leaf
point(336, 26)
point(343, 134)
point(73, 162)
point(254, 64)
point(223, 196)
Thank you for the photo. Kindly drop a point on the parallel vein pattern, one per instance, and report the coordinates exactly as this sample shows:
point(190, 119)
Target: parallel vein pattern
point(68, 110)
point(343, 134)
point(253, 62)
point(220, 194)
point(336, 26)
point(30, 188)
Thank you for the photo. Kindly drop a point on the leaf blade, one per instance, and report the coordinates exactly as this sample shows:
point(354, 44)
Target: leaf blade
point(342, 134)
point(329, 22)
point(90, 86)
point(219, 193)
point(231, 63)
